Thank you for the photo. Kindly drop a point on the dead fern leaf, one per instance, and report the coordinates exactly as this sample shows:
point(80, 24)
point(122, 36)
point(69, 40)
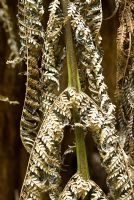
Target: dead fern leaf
point(121, 36)
point(51, 67)
point(31, 37)
point(78, 188)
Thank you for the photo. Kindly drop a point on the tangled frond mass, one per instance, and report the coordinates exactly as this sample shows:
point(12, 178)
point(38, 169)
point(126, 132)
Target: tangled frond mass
point(95, 110)
point(78, 188)
point(60, 41)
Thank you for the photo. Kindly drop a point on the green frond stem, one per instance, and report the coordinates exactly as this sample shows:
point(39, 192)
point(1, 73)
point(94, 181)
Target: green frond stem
point(82, 163)
point(73, 74)
point(74, 81)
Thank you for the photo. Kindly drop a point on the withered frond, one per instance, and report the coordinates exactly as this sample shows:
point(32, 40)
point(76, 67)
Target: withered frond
point(124, 34)
point(91, 11)
point(43, 173)
point(31, 37)
point(30, 27)
point(125, 82)
point(122, 30)
point(47, 145)
point(101, 120)
point(114, 159)
point(50, 59)
point(96, 110)
point(90, 56)
point(30, 119)
point(78, 188)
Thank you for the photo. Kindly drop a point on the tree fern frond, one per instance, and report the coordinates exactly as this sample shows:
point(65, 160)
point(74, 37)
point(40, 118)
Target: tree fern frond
point(113, 157)
point(93, 16)
point(124, 33)
point(91, 58)
point(95, 111)
point(51, 63)
point(88, 9)
point(78, 188)
point(30, 119)
point(121, 36)
point(106, 138)
point(45, 162)
point(50, 136)
point(125, 84)
point(31, 37)
point(31, 29)
point(129, 19)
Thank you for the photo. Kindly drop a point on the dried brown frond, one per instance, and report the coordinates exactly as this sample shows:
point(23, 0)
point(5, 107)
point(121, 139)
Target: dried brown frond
point(78, 188)
point(114, 159)
point(82, 28)
point(121, 37)
point(31, 38)
point(31, 119)
point(96, 112)
point(43, 172)
point(124, 36)
point(103, 122)
point(30, 27)
point(51, 60)
point(125, 74)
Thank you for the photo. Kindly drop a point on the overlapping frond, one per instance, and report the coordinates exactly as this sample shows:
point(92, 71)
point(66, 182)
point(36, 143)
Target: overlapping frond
point(44, 166)
point(107, 139)
point(49, 139)
point(30, 28)
point(124, 37)
point(78, 188)
point(125, 74)
point(51, 60)
point(113, 157)
point(90, 58)
point(31, 37)
point(43, 172)
point(95, 109)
